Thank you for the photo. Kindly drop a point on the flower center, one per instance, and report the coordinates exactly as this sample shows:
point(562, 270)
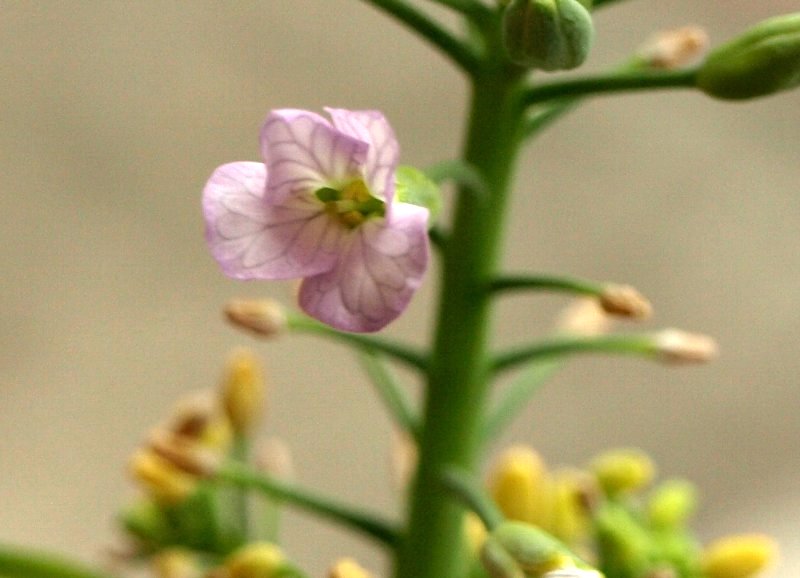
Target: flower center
point(351, 205)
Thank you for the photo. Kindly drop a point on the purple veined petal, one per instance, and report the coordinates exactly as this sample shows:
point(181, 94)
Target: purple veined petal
point(304, 152)
point(253, 239)
point(384, 152)
point(382, 265)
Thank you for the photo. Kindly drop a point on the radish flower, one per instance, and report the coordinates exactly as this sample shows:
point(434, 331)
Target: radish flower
point(322, 207)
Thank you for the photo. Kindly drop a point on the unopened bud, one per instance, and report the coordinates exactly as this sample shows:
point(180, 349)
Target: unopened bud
point(192, 414)
point(764, 60)
point(519, 486)
point(532, 549)
point(547, 34)
point(347, 568)
point(175, 563)
point(739, 556)
point(625, 301)
point(475, 532)
point(676, 346)
point(671, 504)
point(160, 478)
point(264, 317)
point(573, 493)
point(184, 453)
point(274, 458)
point(243, 391)
point(583, 317)
point(256, 560)
point(623, 470)
point(403, 459)
point(672, 49)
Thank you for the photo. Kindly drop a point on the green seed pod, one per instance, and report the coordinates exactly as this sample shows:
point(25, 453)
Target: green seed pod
point(764, 60)
point(547, 34)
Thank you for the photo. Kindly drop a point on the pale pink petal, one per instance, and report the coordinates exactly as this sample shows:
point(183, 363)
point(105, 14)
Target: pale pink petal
point(253, 239)
point(304, 153)
point(384, 152)
point(381, 266)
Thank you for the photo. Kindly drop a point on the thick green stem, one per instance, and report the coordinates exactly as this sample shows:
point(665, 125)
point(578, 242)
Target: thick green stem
point(24, 563)
point(458, 371)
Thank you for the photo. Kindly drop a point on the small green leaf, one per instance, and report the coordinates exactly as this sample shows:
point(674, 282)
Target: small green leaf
point(415, 188)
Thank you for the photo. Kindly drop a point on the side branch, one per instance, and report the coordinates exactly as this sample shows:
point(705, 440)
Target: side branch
point(459, 51)
point(398, 351)
point(366, 523)
point(27, 563)
point(609, 83)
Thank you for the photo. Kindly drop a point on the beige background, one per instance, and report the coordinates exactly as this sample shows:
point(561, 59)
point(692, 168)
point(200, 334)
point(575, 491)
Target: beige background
point(112, 115)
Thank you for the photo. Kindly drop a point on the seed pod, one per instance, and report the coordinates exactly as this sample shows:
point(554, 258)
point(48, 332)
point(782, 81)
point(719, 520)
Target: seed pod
point(764, 60)
point(547, 34)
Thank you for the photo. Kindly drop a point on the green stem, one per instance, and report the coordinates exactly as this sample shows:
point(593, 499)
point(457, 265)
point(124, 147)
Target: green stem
point(458, 376)
point(541, 119)
point(468, 490)
point(404, 353)
point(611, 82)
point(517, 395)
point(643, 345)
point(600, 3)
point(470, 8)
point(18, 562)
point(461, 173)
point(364, 522)
point(460, 52)
point(241, 453)
point(391, 394)
point(547, 283)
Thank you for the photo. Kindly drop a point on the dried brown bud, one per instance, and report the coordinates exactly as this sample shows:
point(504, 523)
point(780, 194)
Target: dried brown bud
point(672, 49)
point(625, 301)
point(583, 317)
point(676, 346)
point(263, 317)
point(183, 452)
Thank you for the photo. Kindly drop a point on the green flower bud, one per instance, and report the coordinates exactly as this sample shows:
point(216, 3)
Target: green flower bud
point(533, 550)
point(764, 60)
point(548, 34)
point(671, 504)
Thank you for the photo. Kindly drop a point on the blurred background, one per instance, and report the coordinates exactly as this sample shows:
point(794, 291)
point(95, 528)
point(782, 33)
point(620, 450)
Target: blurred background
point(112, 116)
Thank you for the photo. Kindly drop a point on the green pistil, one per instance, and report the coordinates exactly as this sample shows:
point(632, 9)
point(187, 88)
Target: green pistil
point(352, 205)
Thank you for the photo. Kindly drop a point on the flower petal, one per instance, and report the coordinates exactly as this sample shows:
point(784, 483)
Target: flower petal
point(381, 266)
point(384, 151)
point(303, 153)
point(253, 239)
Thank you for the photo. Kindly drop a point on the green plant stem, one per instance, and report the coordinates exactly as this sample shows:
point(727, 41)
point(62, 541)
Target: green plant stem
point(471, 8)
point(461, 173)
point(465, 486)
point(241, 510)
point(642, 345)
point(391, 393)
point(459, 51)
point(546, 283)
point(517, 395)
point(458, 375)
point(611, 82)
point(18, 562)
point(366, 523)
point(541, 119)
point(404, 353)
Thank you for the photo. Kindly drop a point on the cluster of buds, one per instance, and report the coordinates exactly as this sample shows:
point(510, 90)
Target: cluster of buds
point(605, 519)
point(184, 519)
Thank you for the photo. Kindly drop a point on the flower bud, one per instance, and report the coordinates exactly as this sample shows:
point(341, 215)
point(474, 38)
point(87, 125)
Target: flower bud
point(256, 560)
point(625, 301)
point(676, 346)
point(160, 478)
point(263, 317)
point(623, 470)
point(547, 34)
point(175, 563)
point(738, 556)
point(243, 391)
point(348, 568)
point(532, 549)
point(764, 60)
point(671, 49)
point(519, 486)
point(671, 504)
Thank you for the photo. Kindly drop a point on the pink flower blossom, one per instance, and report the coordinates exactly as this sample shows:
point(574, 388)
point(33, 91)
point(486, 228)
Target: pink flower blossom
point(321, 207)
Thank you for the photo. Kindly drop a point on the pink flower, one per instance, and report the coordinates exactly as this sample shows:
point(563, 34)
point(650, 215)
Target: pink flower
point(321, 207)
